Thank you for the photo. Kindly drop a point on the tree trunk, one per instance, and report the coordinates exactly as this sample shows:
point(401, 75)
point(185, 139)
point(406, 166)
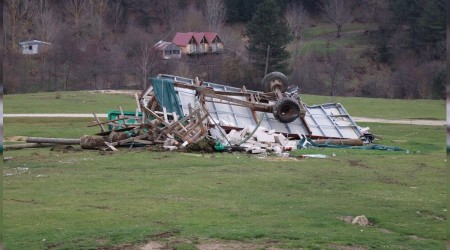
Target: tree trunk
point(339, 27)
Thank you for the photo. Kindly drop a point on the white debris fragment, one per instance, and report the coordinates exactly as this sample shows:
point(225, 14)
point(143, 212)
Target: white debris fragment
point(281, 139)
point(171, 148)
point(255, 141)
point(258, 150)
point(314, 156)
point(264, 137)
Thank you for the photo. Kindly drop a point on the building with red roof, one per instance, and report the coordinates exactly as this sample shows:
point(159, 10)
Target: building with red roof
point(198, 42)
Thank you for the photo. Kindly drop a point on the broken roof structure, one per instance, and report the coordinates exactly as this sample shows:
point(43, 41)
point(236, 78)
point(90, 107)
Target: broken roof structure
point(168, 49)
point(176, 111)
point(320, 121)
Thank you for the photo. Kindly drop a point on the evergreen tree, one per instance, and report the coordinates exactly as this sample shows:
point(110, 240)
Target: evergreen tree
point(431, 24)
point(268, 32)
point(241, 10)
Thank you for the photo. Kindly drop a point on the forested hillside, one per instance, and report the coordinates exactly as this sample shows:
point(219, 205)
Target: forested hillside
point(376, 48)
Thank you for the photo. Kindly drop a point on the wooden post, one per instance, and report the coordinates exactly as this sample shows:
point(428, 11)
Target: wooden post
point(100, 123)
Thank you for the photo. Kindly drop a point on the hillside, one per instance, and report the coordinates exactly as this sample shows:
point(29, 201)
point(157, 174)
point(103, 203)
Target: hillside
point(107, 44)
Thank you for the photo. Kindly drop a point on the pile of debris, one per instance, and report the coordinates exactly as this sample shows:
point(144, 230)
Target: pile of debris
point(175, 112)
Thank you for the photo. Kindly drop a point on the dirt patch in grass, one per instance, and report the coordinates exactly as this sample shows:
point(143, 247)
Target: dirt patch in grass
point(357, 163)
point(415, 237)
point(118, 247)
point(15, 139)
point(65, 148)
point(166, 234)
point(208, 245)
point(154, 245)
point(343, 247)
point(234, 245)
point(384, 230)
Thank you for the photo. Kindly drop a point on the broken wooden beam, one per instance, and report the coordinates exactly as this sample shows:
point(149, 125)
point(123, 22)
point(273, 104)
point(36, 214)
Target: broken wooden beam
point(27, 145)
point(65, 141)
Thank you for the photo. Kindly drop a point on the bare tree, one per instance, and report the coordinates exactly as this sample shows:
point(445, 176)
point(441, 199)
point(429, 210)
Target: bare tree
point(145, 60)
point(373, 10)
point(74, 8)
point(97, 13)
point(297, 18)
point(337, 12)
point(194, 19)
point(337, 70)
point(17, 16)
point(46, 28)
point(116, 11)
point(215, 12)
point(169, 11)
point(45, 21)
point(99, 7)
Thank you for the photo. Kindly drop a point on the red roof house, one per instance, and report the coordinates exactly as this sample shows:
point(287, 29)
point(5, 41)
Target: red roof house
point(198, 42)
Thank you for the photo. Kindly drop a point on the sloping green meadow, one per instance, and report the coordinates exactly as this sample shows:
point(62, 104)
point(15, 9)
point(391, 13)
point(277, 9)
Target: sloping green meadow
point(69, 199)
point(59, 198)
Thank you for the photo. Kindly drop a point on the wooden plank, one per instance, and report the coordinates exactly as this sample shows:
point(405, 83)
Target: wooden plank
point(102, 129)
point(110, 146)
point(175, 116)
point(199, 121)
point(144, 142)
point(165, 114)
point(96, 124)
point(190, 109)
point(121, 142)
point(157, 117)
point(136, 97)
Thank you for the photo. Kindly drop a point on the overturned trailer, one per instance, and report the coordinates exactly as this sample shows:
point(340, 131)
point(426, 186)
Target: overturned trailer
point(279, 108)
point(176, 111)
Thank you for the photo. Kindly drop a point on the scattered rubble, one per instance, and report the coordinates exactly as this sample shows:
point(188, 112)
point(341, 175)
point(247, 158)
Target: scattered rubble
point(178, 112)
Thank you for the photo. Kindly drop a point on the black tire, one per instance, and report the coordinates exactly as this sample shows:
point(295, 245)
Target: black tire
point(286, 110)
point(274, 80)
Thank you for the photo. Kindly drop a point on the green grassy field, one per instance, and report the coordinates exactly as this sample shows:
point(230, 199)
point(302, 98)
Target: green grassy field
point(88, 102)
point(67, 102)
point(70, 199)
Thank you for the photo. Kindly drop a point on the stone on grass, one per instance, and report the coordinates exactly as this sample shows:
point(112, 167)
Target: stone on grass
point(360, 220)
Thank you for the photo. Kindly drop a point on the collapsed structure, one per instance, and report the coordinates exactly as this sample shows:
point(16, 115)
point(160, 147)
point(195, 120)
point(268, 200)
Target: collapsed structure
point(176, 111)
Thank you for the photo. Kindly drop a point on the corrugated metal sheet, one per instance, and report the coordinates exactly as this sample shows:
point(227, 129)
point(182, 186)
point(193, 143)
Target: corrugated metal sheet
point(329, 120)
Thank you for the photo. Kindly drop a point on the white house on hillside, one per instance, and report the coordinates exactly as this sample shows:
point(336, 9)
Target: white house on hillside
point(32, 47)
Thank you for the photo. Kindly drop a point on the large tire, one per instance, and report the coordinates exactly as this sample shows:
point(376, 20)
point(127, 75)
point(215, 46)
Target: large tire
point(286, 110)
point(274, 80)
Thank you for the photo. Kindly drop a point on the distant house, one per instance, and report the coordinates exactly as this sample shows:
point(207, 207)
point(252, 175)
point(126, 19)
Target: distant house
point(215, 44)
point(168, 50)
point(198, 42)
point(33, 47)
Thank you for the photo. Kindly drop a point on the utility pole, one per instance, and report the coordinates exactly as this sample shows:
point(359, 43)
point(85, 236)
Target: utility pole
point(267, 59)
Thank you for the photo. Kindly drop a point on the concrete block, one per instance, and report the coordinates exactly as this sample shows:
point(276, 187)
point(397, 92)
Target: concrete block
point(264, 137)
point(281, 139)
point(258, 151)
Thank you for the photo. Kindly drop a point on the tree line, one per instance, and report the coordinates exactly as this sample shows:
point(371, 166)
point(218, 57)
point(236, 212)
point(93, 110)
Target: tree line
point(99, 44)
